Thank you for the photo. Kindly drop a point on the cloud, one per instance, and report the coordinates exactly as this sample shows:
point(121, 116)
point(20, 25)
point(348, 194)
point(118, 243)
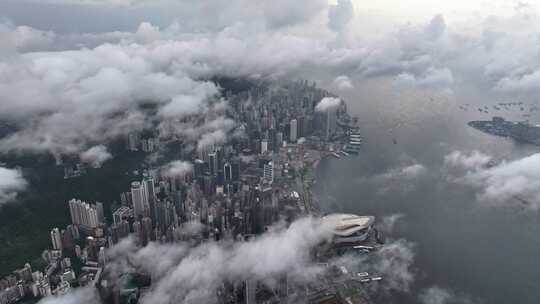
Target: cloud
point(471, 161)
point(439, 295)
point(83, 295)
point(327, 103)
point(96, 156)
point(177, 168)
point(389, 222)
point(72, 98)
point(343, 83)
point(508, 180)
point(211, 139)
point(431, 78)
point(393, 261)
point(23, 39)
point(11, 182)
point(340, 15)
point(186, 274)
point(407, 172)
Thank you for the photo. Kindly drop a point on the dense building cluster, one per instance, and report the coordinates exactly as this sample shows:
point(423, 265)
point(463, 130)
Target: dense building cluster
point(231, 189)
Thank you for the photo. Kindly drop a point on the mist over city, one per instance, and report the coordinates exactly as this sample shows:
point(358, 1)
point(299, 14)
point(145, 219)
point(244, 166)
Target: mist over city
point(257, 151)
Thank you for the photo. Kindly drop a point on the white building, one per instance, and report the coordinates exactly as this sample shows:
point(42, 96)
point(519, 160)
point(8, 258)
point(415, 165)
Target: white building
point(294, 130)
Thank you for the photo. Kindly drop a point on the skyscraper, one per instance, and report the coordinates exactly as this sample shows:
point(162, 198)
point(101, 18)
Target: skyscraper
point(279, 141)
point(268, 172)
point(83, 214)
point(264, 146)
point(294, 130)
point(56, 239)
point(100, 212)
point(149, 195)
point(213, 163)
point(138, 199)
point(227, 172)
point(251, 291)
point(331, 118)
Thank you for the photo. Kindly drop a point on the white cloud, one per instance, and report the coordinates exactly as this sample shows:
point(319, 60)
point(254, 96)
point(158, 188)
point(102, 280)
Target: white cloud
point(184, 274)
point(96, 156)
point(83, 295)
point(340, 15)
point(407, 172)
point(327, 103)
point(343, 83)
point(11, 182)
point(394, 262)
point(439, 295)
point(508, 180)
point(469, 161)
point(177, 168)
point(389, 222)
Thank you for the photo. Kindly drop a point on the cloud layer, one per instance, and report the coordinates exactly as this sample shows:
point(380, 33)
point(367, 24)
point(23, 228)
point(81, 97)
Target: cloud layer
point(191, 275)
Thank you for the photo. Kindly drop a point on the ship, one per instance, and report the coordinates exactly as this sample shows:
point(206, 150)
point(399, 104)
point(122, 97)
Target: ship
point(521, 132)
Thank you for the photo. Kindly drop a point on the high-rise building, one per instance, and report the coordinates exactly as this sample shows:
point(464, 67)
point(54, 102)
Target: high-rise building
point(294, 131)
point(227, 172)
point(198, 168)
point(83, 214)
point(133, 141)
point(100, 212)
point(331, 120)
point(149, 195)
point(213, 163)
point(74, 231)
point(122, 213)
point(264, 146)
point(235, 168)
point(279, 141)
point(268, 172)
point(251, 291)
point(56, 239)
point(137, 196)
point(119, 230)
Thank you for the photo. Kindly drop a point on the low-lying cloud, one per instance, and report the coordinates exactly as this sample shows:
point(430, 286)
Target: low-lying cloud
point(504, 183)
point(96, 156)
point(184, 274)
point(11, 183)
point(439, 295)
point(327, 103)
point(177, 168)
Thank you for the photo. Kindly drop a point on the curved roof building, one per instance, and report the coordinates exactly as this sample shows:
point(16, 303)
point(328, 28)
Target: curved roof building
point(349, 228)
